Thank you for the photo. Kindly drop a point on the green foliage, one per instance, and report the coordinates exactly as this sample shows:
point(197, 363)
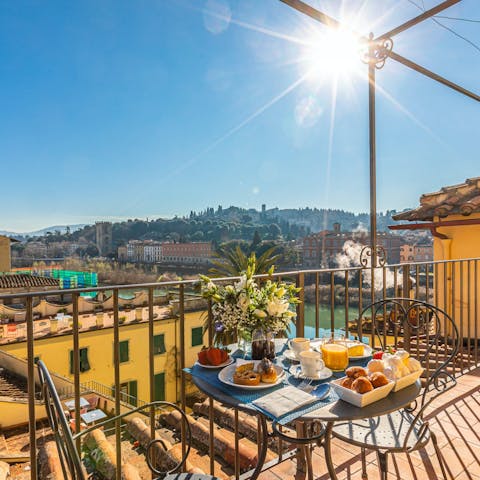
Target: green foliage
point(233, 260)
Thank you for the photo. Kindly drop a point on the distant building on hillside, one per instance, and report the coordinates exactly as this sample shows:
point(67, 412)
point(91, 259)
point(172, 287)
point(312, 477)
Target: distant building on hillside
point(5, 253)
point(320, 249)
point(152, 252)
point(187, 253)
point(104, 241)
point(416, 253)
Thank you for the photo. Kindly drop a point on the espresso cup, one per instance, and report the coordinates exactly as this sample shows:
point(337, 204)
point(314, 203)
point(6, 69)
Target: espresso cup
point(298, 345)
point(311, 363)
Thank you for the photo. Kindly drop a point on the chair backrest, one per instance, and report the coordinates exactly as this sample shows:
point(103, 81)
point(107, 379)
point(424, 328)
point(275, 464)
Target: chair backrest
point(65, 440)
point(423, 329)
point(67, 452)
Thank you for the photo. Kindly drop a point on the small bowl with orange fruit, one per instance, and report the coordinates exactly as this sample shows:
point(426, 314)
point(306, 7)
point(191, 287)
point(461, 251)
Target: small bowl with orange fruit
point(213, 357)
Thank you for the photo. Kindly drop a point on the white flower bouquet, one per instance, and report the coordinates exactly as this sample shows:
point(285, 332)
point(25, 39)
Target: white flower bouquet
point(245, 306)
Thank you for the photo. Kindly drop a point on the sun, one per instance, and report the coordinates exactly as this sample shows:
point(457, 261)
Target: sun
point(332, 53)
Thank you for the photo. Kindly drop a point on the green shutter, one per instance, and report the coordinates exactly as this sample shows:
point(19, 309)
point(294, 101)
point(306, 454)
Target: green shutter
point(197, 336)
point(159, 381)
point(159, 344)
point(124, 351)
point(132, 391)
point(84, 363)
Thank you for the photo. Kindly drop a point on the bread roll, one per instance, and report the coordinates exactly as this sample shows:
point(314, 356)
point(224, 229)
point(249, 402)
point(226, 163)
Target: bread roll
point(378, 379)
point(347, 382)
point(355, 372)
point(362, 385)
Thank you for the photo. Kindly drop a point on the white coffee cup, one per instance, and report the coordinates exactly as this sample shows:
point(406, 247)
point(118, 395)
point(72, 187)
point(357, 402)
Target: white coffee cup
point(311, 363)
point(298, 345)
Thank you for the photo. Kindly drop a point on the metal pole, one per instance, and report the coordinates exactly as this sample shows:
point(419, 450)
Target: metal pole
point(373, 153)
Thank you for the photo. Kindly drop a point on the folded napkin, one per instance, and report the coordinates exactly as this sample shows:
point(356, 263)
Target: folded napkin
point(283, 401)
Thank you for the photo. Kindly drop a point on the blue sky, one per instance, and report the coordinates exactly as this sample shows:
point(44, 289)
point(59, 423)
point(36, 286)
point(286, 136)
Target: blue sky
point(115, 109)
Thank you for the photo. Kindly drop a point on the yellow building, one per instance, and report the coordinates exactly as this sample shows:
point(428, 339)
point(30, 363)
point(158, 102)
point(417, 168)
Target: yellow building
point(453, 217)
point(97, 353)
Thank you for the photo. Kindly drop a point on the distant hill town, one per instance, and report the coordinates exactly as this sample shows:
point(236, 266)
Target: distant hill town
point(220, 224)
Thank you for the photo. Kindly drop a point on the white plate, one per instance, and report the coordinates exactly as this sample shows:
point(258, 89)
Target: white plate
point(290, 355)
point(296, 371)
point(361, 399)
point(224, 364)
point(226, 376)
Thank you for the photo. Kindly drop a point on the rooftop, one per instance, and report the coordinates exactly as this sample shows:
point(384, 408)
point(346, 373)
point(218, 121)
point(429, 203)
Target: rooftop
point(461, 199)
point(23, 280)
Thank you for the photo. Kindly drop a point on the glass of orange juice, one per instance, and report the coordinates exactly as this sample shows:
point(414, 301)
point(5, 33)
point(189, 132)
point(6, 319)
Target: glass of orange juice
point(335, 355)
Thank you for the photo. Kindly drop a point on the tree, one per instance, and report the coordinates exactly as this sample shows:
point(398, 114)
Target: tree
point(233, 261)
point(256, 240)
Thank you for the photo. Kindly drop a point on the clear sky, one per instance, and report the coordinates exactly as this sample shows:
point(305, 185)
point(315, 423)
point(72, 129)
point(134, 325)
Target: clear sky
point(113, 109)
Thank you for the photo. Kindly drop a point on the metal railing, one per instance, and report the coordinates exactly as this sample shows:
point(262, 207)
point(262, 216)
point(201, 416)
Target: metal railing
point(331, 299)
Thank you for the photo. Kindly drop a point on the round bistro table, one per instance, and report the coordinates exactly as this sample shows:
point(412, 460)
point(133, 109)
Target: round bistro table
point(337, 411)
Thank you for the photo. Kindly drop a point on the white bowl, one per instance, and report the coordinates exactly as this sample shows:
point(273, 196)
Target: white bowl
point(361, 399)
point(407, 380)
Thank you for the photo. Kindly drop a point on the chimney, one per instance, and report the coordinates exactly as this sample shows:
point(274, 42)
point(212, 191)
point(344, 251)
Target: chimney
point(336, 227)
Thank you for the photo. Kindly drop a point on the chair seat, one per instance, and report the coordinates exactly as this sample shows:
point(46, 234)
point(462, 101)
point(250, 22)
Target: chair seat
point(188, 476)
point(387, 432)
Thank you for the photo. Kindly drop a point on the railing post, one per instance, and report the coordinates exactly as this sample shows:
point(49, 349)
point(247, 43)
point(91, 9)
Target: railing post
point(31, 390)
point(181, 299)
point(301, 305)
point(76, 368)
point(116, 365)
point(151, 367)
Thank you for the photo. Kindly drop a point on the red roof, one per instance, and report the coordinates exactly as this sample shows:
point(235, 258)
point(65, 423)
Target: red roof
point(461, 199)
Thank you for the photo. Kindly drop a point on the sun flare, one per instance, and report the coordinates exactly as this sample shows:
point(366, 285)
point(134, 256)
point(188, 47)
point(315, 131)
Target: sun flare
point(334, 52)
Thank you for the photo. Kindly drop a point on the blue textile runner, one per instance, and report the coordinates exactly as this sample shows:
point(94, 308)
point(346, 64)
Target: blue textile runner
point(248, 396)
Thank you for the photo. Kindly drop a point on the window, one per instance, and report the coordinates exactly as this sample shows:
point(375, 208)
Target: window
point(159, 344)
point(128, 392)
point(84, 363)
point(159, 382)
point(197, 336)
point(124, 357)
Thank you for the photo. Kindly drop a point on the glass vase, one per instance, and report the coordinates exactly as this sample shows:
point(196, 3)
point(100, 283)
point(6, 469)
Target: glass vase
point(263, 344)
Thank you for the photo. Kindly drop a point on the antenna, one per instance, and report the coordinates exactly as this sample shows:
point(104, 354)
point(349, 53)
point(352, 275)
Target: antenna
point(379, 50)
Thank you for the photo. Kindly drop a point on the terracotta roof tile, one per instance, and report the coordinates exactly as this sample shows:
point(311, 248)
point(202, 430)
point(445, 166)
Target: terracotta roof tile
point(461, 199)
point(23, 280)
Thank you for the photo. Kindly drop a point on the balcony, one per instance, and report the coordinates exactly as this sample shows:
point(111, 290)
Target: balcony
point(135, 349)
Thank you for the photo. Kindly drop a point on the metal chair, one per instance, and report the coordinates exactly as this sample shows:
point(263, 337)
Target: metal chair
point(65, 440)
point(430, 335)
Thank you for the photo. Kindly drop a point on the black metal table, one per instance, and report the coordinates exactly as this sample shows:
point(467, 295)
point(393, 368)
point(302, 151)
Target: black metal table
point(334, 412)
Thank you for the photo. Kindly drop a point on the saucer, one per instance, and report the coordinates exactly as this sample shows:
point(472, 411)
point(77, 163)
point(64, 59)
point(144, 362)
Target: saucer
point(296, 371)
point(290, 355)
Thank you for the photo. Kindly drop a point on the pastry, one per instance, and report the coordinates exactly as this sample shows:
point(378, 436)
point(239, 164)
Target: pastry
point(413, 365)
point(378, 379)
point(270, 376)
point(362, 385)
point(355, 349)
point(375, 366)
point(264, 366)
point(355, 372)
point(246, 377)
point(267, 371)
point(346, 382)
point(245, 367)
